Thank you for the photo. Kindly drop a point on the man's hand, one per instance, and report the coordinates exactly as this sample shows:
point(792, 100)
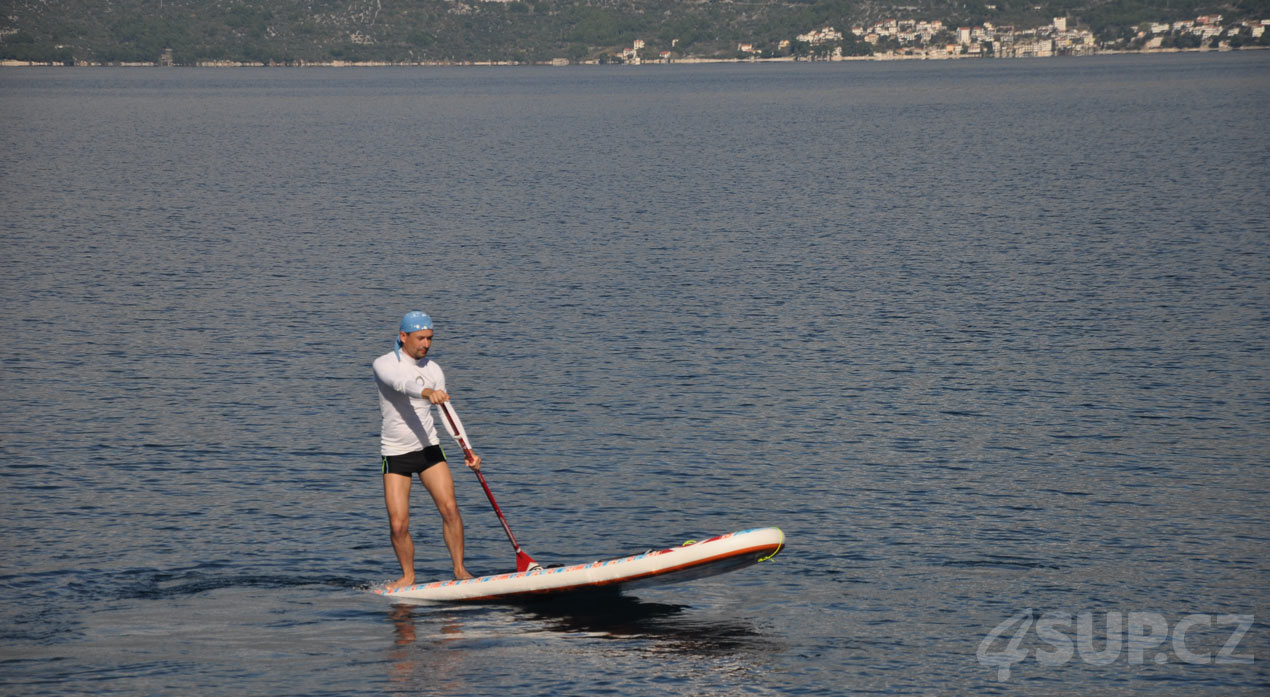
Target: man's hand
point(434, 396)
point(472, 460)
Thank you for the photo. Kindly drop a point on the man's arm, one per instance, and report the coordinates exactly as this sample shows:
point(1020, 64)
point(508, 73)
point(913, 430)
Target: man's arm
point(406, 383)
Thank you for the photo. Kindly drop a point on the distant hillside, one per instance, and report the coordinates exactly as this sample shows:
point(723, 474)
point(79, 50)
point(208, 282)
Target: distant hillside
point(290, 31)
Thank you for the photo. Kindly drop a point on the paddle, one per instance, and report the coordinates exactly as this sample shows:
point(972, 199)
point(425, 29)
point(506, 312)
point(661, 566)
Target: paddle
point(524, 562)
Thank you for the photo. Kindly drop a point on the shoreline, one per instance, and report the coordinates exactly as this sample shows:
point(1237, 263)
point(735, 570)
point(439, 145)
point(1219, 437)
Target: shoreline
point(10, 63)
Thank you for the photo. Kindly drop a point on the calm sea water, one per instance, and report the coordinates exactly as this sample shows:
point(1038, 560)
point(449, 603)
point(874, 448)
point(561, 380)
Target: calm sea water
point(986, 339)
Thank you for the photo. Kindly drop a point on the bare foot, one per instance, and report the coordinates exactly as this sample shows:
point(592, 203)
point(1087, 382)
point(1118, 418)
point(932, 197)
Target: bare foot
point(400, 583)
point(462, 575)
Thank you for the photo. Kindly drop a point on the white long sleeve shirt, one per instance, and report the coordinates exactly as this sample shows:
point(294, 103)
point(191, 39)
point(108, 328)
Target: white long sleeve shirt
point(407, 416)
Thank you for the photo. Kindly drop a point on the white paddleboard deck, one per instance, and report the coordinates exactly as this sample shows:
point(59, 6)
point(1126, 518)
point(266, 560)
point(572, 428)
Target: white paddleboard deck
point(677, 564)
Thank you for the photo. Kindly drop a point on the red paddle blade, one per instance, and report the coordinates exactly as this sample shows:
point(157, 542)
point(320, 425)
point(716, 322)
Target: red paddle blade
point(524, 562)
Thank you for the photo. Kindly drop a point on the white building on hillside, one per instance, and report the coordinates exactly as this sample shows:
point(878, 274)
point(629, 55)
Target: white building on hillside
point(820, 36)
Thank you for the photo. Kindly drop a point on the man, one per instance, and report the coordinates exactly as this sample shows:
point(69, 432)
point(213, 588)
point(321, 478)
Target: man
point(409, 384)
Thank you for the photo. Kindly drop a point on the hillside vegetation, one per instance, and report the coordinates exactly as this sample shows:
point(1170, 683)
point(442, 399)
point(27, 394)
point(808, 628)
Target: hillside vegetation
point(315, 31)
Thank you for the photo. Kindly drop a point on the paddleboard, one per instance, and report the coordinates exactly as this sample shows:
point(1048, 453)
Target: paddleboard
point(692, 560)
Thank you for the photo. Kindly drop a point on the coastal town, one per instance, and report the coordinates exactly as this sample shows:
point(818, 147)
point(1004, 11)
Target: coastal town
point(901, 39)
point(915, 39)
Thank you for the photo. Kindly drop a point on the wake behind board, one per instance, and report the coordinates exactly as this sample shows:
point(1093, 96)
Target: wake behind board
point(692, 561)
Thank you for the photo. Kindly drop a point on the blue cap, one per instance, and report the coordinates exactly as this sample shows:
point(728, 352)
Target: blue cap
point(414, 321)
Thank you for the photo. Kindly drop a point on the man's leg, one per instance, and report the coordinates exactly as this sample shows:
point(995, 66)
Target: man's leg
point(440, 484)
point(397, 498)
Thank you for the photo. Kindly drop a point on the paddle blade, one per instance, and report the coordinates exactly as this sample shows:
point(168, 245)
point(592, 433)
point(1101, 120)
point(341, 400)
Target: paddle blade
point(524, 562)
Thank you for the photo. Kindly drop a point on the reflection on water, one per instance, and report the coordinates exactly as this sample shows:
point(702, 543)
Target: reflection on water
point(659, 627)
point(669, 627)
point(410, 663)
point(583, 641)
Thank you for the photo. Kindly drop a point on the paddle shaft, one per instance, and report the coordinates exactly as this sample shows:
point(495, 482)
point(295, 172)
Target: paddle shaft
point(523, 560)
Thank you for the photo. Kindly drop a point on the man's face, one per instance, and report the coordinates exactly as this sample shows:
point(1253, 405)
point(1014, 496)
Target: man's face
point(416, 344)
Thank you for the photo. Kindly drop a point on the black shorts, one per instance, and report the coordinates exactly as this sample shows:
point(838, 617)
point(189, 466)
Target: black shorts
point(413, 463)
